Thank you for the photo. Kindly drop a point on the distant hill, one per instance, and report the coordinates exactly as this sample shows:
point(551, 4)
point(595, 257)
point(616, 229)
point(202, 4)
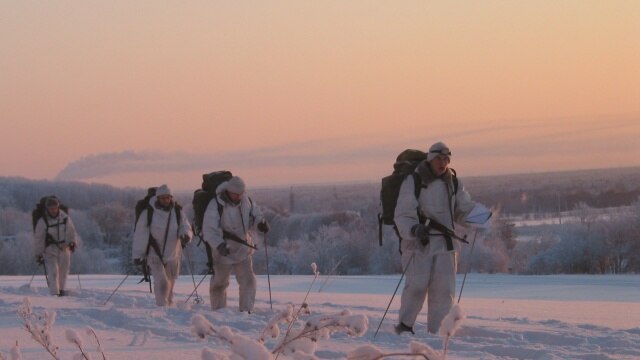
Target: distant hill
point(516, 193)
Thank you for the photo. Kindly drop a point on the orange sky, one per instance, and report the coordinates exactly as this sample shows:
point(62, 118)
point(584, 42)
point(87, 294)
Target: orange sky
point(288, 92)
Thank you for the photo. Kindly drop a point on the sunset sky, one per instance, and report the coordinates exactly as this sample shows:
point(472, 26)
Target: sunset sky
point(138, 93)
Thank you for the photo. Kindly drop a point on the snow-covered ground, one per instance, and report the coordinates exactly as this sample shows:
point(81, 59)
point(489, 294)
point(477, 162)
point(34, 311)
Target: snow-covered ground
point(518, 317)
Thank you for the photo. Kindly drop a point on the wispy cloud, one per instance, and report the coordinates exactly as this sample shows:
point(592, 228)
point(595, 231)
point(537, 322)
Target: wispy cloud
point(293, 155)
point(526, 139)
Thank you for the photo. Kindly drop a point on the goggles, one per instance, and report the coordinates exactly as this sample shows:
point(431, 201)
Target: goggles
point(445, 152)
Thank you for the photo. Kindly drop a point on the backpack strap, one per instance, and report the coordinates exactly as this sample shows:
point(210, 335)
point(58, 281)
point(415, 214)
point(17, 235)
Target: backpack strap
point(417, 183)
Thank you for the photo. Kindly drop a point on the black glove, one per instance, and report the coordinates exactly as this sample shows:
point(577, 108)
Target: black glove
point(223, 249)
point(184, 240)
point(263, 226)
point(137, 262)
point(421, 232)
point(72, 247)
point(40, 259)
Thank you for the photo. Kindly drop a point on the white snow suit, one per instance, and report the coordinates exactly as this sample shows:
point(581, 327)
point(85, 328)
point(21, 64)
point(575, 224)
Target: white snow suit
point(239, 219)
point(431, 269)
point(164, 229)
point(55, 251)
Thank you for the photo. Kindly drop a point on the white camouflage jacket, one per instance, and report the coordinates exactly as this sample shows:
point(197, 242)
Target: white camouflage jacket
point(172, 250)
point(240, 219)
point(437, 201)
point(61, 229)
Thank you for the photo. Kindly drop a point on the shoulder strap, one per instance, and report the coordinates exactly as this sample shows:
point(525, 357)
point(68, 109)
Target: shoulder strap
point(454, 179)
point(417, 184)
point(220, 207)
point(178, 209)
point(149, 214)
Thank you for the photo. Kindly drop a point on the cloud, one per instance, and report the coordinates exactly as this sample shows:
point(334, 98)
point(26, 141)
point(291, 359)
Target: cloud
point(333, 151)
point(526, 139)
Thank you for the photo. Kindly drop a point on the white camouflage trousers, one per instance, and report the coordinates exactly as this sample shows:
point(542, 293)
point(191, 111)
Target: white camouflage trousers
point(246, 282)
point(432, 276)
point(164, 278)
point(57, 262)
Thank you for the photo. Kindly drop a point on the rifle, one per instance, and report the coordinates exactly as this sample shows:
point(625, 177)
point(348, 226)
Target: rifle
point(145, 274)
point(233, 237)
point(435, 225)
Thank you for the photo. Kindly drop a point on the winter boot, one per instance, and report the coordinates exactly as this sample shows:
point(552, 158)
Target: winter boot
point(400, 328)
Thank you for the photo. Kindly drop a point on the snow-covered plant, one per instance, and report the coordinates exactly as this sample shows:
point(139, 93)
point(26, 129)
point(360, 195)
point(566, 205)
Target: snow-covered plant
point(74, 338)
point(16, 354)
point(321, 327)
point(316, 273)
point(300, 344)
point(89, 330)
point(416, 349)
point(450, 324)
point(39, 326)
point(240, 345)
point(272, 329)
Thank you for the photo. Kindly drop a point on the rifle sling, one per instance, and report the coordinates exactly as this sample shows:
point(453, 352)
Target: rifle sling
point(154, 244)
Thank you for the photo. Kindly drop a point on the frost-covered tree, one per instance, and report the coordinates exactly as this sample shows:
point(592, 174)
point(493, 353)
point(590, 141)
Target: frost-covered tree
point(114, 219)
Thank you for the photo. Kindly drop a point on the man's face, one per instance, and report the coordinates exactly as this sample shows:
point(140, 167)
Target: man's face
point(53, 210)
point(234, 197)
point(439, 164)
point(164, 200)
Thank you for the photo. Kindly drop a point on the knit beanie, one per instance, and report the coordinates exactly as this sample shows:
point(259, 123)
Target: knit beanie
point(436, 149)
point(235, 185)
point(163, 190)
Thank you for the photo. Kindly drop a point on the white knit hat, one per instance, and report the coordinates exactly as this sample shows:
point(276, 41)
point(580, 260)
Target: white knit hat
point(436, 149)
point(235, 185)
point(163, 190)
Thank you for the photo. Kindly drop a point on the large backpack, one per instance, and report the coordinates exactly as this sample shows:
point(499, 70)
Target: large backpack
point(405, 165)
point(202, 196)
point(40, 209)
point(143, 204)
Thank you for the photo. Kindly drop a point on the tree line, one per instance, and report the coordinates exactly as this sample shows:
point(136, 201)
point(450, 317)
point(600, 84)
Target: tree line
point(336, 227)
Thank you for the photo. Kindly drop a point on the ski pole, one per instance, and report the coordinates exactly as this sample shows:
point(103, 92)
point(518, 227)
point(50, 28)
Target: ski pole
point(33, 275)
point(473, 244)
point(44, 266)
point(198, 299)
point(196, 287)
point(79, 283)
point(394, 294)
point(266, 254)
point(116, 289)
